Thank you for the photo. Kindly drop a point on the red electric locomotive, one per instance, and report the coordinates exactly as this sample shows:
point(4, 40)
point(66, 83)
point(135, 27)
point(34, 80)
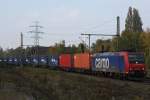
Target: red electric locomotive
point(120, 63)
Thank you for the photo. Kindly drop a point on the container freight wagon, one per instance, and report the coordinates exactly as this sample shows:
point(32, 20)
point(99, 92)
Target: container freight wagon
point(10, 61)
point(53, 61)
point(65, 61)
point(5, 60)
point(13, 61)
point(43, 60)
point(1, 61)
point(39, 60)
point(26, 61)
point(119, 62)
point(82, 61)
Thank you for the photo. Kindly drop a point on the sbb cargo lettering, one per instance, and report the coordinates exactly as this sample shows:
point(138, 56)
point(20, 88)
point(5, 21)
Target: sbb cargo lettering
point(102, 63)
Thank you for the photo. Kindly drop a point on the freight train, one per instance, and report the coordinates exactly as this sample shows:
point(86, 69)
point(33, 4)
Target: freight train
point(124, 64)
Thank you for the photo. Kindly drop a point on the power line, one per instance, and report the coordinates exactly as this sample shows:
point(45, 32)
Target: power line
point(89, 35)
point(117, 33)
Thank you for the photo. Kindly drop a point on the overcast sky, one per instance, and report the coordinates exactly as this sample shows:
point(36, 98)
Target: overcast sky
point(64, 19)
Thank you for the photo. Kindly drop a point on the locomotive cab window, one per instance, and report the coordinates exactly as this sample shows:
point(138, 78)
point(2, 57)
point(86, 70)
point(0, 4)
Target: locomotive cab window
point(136, 58)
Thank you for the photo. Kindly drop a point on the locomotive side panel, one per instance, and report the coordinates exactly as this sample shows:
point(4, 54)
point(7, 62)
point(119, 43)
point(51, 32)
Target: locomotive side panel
point(108, 63)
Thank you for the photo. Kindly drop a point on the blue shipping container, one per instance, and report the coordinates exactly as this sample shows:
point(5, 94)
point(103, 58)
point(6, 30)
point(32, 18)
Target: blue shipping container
point(26, 60)
point(39, 60)
point(1, 60)
point(34, 60)
point(43, 60)
point(16, 61)
point(10, 60)
point(53, 61)
point(5, 60)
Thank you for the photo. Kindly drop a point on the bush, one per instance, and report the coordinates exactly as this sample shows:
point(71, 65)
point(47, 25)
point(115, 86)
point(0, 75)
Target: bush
point(148, 62)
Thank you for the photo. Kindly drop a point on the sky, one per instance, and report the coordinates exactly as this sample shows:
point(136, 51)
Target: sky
point(64, 19)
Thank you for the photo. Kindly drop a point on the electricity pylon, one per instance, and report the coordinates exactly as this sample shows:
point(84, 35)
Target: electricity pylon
point(36, 33)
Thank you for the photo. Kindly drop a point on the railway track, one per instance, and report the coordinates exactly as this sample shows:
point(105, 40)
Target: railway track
point(147, 81)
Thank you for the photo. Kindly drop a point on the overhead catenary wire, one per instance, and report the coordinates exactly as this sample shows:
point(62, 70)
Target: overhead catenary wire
point(116, 35)
point(95, 28)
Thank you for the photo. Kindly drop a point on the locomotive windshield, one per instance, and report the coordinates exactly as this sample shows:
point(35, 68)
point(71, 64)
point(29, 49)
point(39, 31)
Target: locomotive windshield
point(136, 58)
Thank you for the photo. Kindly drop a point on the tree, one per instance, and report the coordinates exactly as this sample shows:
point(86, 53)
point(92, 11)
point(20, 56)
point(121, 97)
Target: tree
point(82, 48)
point(73, 49)
point(128, 24)
point(102, 45)
point(60, 47)
point(145, 41)
point(136, 21)
point(1, 52)
point(133, 21)
point(129, 39)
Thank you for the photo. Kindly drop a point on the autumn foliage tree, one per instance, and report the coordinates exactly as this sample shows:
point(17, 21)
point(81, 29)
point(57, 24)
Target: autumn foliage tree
point(102, 45)
point(129, 38)
point(133, 37)
point(145, 41)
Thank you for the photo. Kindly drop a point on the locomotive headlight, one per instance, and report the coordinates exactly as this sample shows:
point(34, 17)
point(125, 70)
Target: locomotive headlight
point(130, 69)
point(126, 72)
